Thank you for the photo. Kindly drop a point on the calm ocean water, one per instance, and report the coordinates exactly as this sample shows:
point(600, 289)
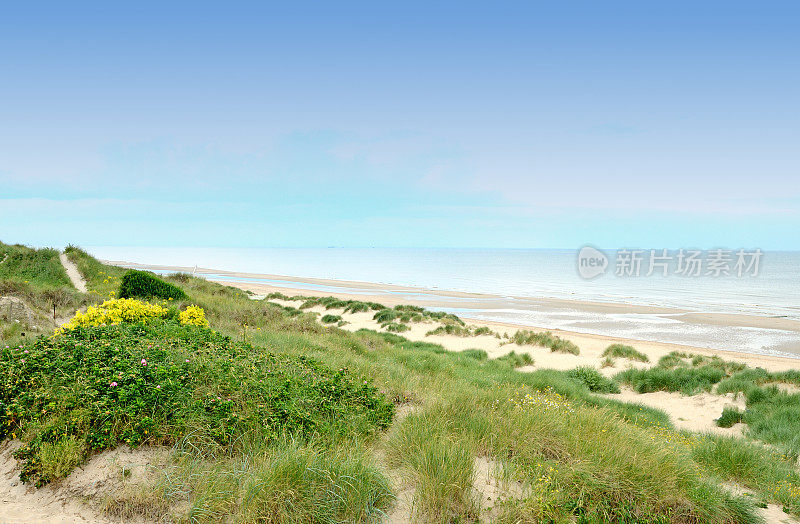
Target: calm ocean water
point(531, 273)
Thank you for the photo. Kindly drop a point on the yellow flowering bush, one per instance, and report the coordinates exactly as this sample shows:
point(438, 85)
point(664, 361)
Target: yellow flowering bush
point(130, 310)
point(193, 316)
point(116, 311)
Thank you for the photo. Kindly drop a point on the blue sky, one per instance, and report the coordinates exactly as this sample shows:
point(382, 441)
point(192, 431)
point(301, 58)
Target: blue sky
point(535, 124)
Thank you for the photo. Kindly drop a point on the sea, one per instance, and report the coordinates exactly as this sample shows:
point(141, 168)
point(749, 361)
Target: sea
point(768, 286)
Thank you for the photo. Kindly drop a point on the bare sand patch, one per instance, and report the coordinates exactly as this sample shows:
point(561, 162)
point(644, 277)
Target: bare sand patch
point(772, 514)
point(695, 413)
point(64, 501)
point(491, 490)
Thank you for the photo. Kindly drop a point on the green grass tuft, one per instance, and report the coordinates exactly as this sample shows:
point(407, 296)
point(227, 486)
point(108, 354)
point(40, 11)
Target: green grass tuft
point(395, 327)
point(593, 379)
point(625, 351)
point(517, 360)
point(686, 380)
point(545, 339)
point(729, 417)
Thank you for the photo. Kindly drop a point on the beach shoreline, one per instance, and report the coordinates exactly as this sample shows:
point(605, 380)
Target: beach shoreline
point(471, 305)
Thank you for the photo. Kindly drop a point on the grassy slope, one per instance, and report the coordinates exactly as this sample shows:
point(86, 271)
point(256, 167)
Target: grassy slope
point(37, 277)
point(577, 455)
point(467, 406)
point(39, 267)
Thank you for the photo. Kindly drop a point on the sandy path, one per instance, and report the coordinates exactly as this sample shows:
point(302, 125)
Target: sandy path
point(72, 272)
point(20, 503)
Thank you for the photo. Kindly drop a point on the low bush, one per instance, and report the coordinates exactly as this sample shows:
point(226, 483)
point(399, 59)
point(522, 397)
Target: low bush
point(729, 417)
point(141, 284)
point(357, 307)
point(460, 330)
point(330, 319)
point(395, 327)
point(116, 311)
point(193, 316)
point(593, 379)
point(385, 315)
point(92, 388)
point(120, 310)
point(451, 329)
point(477, 354)
point(625, 351)
point(517, 360)
point(408, 308)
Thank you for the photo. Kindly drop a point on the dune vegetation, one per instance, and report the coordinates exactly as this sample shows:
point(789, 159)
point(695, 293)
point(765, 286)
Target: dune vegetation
point(625, 351)
point(271, 415)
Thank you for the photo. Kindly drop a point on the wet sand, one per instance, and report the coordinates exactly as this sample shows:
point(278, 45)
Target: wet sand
point(700, 329)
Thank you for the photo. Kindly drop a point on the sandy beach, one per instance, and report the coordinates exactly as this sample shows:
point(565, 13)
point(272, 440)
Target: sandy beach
point(606, 317)
point(100, 476)
point(697, 415)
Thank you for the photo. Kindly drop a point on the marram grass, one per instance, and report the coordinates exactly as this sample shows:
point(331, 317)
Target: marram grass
point(333, 442)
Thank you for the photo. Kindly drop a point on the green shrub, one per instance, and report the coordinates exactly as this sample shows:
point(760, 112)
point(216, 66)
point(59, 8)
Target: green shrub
point(60, 457)
point(625, 351)
point(330, 319)
point(729, 417)
point(673, 359)
point(517, 360)
point(451, 329)
point(477, 354)
point(136, 384)
point(357, 307)
point(594, 380)
point(395, 327)
point(385, 315)
point(141, 284)
point(411, 309)
point(443, 317)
